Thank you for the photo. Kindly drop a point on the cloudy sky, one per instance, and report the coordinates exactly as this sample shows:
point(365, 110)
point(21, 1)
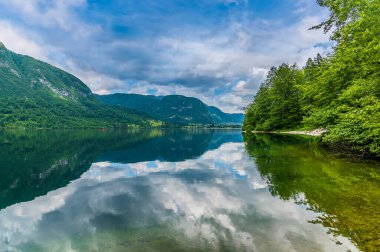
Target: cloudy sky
point(215, 50)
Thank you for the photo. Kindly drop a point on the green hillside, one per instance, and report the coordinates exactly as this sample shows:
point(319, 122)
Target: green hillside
point(220, 117)
point(36, 94)
point(174, 108)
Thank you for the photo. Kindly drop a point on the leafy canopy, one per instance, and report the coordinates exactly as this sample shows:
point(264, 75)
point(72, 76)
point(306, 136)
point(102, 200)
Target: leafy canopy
point(340, 92)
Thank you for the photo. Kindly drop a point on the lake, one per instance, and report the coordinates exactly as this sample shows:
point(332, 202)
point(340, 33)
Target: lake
point(182, 190)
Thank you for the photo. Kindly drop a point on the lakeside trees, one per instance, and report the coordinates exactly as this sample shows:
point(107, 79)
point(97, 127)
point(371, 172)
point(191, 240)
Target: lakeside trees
point(340, 92)
point(277, 103)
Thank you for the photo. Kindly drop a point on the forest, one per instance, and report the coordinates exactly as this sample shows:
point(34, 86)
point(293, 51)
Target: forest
point(339, 92)
point(35, 94)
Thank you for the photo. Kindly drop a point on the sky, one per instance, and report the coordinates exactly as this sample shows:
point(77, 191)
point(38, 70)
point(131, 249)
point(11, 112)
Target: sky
point(216, 50)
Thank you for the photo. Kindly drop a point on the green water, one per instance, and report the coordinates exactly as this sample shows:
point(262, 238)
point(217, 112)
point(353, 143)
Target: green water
point(177, 190)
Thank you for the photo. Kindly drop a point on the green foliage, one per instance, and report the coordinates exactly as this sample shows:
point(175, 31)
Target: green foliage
point(359, 125)
point(38, 113)
point(340, 92)
point(276, 104)
point(34, 94)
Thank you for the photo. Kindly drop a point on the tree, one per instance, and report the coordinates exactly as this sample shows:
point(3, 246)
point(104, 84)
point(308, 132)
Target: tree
point(276, 104)
point(340, 92)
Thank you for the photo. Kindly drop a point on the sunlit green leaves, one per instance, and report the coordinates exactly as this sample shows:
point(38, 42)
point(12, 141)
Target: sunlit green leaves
point(276, 104)
point(341, 92)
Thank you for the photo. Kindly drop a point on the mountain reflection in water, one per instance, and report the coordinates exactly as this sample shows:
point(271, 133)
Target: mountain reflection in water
point(146, 190)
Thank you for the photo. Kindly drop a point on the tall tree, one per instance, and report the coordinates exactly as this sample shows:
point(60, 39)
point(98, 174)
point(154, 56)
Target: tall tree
point(340, 92)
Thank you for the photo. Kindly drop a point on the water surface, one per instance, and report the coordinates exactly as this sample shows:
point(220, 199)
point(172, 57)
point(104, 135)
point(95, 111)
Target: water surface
point(177, 190)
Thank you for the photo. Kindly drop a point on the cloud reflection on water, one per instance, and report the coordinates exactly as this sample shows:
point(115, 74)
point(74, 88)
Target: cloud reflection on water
point(215, 202)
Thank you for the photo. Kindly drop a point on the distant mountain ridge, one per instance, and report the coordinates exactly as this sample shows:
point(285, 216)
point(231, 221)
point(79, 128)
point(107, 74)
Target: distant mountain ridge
point(221, 117)
point(174, 108)
point(36, 94)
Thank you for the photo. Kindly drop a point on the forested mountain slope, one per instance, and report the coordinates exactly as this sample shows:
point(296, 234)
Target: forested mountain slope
point(221, 117)
point(174, 108)
point(36, 94)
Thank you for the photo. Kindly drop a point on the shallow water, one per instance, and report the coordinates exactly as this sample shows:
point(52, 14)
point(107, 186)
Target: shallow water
point(178, 190)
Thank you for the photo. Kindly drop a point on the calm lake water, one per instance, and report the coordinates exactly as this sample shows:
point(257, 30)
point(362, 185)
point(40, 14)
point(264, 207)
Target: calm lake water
point(178, 190)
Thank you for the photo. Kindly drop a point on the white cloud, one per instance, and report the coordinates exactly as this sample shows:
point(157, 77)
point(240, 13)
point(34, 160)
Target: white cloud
point(47, 13)
point(236, 53)
point(13, 39)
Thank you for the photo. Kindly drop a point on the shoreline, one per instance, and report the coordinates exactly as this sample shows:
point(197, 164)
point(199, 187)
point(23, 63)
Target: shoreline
point(314, 133)
point(117, 128)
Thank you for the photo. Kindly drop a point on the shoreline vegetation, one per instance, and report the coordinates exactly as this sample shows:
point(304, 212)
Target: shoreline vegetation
point(129, 127)
point(341, 150)
point(339, 92)
point(314, 133)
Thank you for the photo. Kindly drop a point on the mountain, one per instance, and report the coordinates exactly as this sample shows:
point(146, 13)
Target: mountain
point(36, 94)
point(225, 118)
point(174, 108)
point(171, 108)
